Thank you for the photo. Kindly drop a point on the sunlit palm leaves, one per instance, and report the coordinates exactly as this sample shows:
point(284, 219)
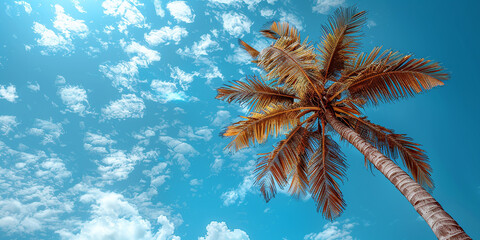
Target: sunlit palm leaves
point(300, 84)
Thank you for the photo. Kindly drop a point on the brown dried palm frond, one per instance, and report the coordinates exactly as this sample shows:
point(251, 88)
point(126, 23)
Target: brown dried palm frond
point(281, 29)
point(257, 127)
point(326, 167)
point(255, 93)
point(274, 168)
point(395, 76)
point(250, 50)
point(340, 39)
point(292, 64)
point(396, 146)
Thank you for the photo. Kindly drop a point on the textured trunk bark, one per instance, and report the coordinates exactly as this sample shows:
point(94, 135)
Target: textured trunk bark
point(441, 222)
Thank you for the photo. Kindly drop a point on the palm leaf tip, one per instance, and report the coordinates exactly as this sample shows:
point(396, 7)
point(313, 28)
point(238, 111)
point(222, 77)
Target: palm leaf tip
point(395, 76)
point(327, 166)
point(250, 50)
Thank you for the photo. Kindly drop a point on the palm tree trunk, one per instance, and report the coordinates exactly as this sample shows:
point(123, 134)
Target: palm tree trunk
point(442, 224)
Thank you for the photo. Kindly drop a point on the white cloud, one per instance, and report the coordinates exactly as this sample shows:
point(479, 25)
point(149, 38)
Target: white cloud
point(267, 13)
point(7, 124)
point(113, 217)
point(129, 106)
point(124, 74)
point(181, 11)
point(333, 231)
point(165, 92)
point(34, 86)
point(221, 118)
point(179, 150)
point(184, 79)
point(371, 23)
point(117, 165)
point(165, 34)
point(97, 143)
point(324, 6)
point(219, 230)
point(196, 182)
point(158, 8)
point(53, 168)
point(79, 8)
point(127, 11)
point(143, 55)
point(200, 133)
point(236, 23)
point(292, 19)
point(8, 93)
point(68, 25)
point(239, 56)
point(217, 165)
point(212, 73)
point(27, 6)
point(201, 48)
point(75, 98)
point(49, 130)
point(238, 194)
point(50, 39)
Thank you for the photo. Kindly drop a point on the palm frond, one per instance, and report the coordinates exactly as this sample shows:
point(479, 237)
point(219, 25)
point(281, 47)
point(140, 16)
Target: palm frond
point(340, 39)
point(281, 29)
point(250, 50)
point(396, 146)
point(255, 93)
point(273, 168)
point(257, 127)
point(326, 167)
point(395, 76)
point(292, 64)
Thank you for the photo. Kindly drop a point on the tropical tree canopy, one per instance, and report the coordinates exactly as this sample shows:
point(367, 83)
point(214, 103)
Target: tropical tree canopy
point(303, 81)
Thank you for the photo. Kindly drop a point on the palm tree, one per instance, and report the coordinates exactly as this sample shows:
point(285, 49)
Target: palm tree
point(308, 92)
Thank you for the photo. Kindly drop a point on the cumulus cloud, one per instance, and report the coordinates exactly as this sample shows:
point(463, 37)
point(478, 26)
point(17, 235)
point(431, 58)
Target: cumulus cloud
point(49, 39)
point(165, 34)
point(219, 230)
point(292, 19)
point(267, 13)
point(77, 5)
point(68, 25)
point(201, 48)
point(48, 130)
point(26, 6)
point(333, 231)
point(33, 86)
point(221, 118)
point(97, 143)
point(217, 164)
point(179, 151)
point(158, 8)
point(53, 168)
point(129, 106)
point(127, 11)
point(8, 93)
point(181, 11)
point(237, 195)
point(199, 133)
point(182, 78)
point(75, 98)
point(236, 24)
point(7, 124)
point(113, 217)
point(124, 74)
point(143, 56)
point(164, 91)
point(324, 6)
point(116, 166)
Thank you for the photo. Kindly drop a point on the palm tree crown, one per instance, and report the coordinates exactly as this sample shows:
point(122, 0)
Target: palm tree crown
point(302, 83)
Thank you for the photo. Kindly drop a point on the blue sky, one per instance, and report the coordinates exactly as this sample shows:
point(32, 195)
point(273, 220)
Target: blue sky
point(109, 128)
